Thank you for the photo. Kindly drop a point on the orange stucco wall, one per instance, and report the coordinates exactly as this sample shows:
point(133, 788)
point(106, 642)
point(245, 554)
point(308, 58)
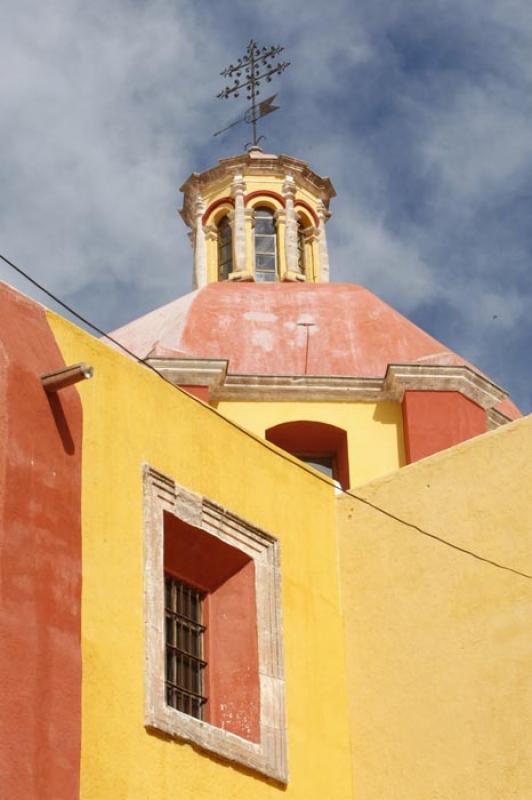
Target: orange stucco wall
point(434, 421)
point(40, 578)
point(234, 701)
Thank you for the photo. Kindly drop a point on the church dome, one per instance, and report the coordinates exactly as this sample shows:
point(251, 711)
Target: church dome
point(265, 322)
point(288, 329)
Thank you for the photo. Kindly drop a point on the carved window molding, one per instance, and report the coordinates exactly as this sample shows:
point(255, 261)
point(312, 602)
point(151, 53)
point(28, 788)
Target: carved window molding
point(268, 756)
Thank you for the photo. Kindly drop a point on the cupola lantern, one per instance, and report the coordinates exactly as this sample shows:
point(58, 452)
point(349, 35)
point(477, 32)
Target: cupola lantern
point(258, 217)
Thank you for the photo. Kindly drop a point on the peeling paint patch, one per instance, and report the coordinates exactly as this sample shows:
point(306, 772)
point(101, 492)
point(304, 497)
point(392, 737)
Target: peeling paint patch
point(260, 316)
point(306, 319)
point(263, 339)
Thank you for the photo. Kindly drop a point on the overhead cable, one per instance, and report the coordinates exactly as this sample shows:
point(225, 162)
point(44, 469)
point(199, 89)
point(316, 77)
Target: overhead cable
point(263, 442)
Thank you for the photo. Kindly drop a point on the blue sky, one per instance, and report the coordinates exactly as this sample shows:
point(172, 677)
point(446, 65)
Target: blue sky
point(420, 112)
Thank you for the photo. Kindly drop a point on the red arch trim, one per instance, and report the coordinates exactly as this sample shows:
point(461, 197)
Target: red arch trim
point(214, 205)
point(265, 193)
point(259, 193)
point(311, 438)
point(310, 210)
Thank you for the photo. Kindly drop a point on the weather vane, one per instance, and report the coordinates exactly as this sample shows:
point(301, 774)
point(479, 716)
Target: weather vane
point(257, 65)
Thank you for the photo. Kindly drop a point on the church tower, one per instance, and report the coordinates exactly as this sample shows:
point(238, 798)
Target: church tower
point(326, 371)
point(223, 584)
point(258, 217)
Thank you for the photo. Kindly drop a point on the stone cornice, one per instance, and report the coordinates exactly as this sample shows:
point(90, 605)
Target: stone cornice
point(255, 164)
point(301, 387)
point(496, 419)
point(398, 379)
point(439, 378)
point(209, 372)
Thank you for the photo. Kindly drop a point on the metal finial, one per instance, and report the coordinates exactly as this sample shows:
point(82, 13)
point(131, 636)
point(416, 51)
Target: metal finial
point(247, 75)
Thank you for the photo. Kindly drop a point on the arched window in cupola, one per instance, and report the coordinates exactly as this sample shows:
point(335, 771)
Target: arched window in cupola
point(225, 249)
point(265, 245)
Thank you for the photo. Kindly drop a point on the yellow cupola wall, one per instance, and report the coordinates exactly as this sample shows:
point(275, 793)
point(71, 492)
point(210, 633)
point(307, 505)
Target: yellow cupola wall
point(258, 217)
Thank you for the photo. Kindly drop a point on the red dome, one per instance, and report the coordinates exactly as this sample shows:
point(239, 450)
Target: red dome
point(333, 329)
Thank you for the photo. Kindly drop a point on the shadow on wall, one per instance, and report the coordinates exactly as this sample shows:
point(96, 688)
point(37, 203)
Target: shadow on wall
point(61, 423)
point(386, 414)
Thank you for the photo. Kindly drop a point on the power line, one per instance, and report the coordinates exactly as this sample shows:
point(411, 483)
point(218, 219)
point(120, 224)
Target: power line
point(76, 314)
point(435, 536)
point(262, 442)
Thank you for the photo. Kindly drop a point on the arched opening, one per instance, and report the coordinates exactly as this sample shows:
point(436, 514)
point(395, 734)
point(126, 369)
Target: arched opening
point(225, 249)
point(318, 444)
point(265, 245)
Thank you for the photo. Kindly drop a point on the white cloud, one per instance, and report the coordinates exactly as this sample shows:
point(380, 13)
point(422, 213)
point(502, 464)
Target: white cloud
point(372, 256)
point(482, 142)
point(100, 120)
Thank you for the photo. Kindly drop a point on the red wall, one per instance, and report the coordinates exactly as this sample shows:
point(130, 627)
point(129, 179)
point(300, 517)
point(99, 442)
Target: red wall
point(40, 563)
point(234, 693)
point(434, 421)
point(198, 391)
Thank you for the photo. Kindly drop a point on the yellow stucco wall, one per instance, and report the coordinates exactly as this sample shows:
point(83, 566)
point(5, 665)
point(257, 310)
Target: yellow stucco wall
point(438, 642)
point(255, 183)
point(132, 417)
point(374, 430)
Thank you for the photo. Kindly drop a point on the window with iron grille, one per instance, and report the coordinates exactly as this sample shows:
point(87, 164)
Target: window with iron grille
point(237, 566)
point(185, 632)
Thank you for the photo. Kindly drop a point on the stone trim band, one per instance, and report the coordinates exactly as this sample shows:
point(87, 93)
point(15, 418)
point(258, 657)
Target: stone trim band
point(398, 379)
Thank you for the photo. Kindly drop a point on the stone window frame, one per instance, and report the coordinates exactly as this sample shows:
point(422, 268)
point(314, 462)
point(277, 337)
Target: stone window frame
point(269, 755)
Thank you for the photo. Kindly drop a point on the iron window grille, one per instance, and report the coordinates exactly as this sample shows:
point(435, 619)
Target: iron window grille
point(265, 245)
point(184, 634)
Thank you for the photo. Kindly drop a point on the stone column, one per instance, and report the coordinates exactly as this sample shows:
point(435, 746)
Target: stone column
point(238, 187)
point(280, 228)
point(200, 246)
point(249, 217)
point(210, 232)
point(323, 216)
point(312, 237)
point(290, 233)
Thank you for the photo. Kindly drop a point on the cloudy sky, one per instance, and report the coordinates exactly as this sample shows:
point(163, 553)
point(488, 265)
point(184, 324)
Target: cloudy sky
point(420, 111)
